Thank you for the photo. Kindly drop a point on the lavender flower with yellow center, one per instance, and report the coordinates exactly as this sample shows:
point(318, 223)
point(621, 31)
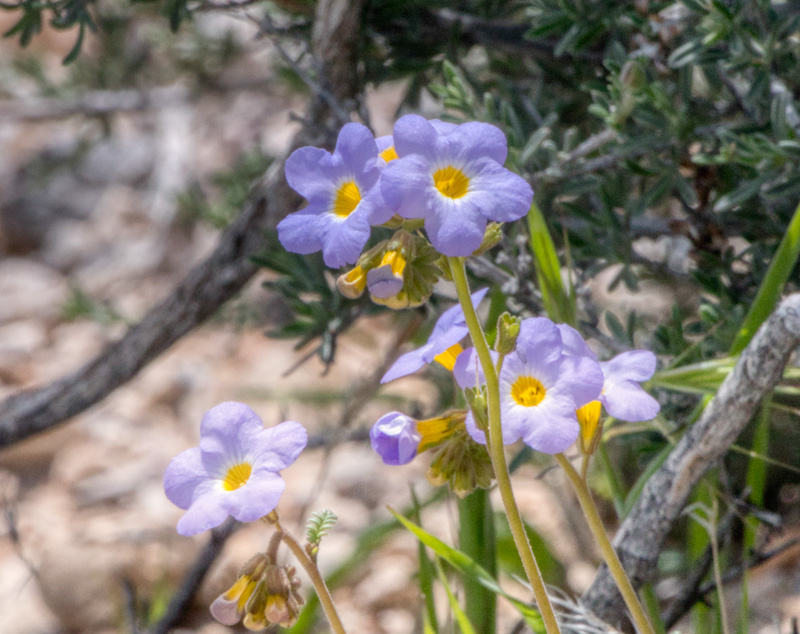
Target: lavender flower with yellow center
point(442, 346)
point(540, 389)
point(235, 469)
point(343, 200)
point(453, 177)
point(398, 438)
point(621, 396)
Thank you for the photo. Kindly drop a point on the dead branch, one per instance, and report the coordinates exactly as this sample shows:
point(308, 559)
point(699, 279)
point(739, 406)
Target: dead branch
point(182, 599)
point(641, 536)
point(226, 270)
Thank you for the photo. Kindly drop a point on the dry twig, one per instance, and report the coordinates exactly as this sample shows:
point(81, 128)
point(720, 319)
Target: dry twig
point(642, 534)
point(216, 279)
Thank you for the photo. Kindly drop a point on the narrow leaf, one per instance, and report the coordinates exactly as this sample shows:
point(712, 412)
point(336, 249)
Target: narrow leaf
point(779, 270)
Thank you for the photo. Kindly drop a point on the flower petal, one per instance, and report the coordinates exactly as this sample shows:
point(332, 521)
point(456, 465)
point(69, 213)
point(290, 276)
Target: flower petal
point(539, 339)
point(277, 447)
point(356, 145)
point(474, 140)
point(468, 371)
point(227, 432)
point(407, 185)
point(581, 378)
point(226, 611)
point(184, 474)
point(500, 194)
point(627, 401)
point(395, 438)
point(255, 499)
point(573, 344)
point(414, 134)
point(406, 364)
point(344, 239)
point(299, 233)
point(455, 226)
point(634, 365)
point(205, 512)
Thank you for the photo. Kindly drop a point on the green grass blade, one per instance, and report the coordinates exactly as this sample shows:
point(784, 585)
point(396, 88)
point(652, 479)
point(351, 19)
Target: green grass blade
point(779, 270)
point(467, 566)
point(558, 301)
point(463, 621)
point(756, 482)
point(476, 538)
point(426, 572)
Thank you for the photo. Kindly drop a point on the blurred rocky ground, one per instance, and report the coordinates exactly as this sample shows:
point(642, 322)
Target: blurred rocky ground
point(92, 234)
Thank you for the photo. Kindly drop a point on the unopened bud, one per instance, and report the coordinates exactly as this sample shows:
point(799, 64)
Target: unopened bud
point(492, 235)
point(507, 333)
point(591, 427)
point(476, 399)
point(463, 464)
point(352, 283)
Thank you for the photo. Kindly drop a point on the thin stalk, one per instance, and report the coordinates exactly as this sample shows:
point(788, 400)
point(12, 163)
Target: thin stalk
point(311, 569)
point(712, 535)
point(638, 613)
point(497, 450)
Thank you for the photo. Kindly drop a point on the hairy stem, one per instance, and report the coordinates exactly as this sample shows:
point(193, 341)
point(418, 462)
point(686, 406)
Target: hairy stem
point(311, 569)
point(609, 554)
point(497, 450)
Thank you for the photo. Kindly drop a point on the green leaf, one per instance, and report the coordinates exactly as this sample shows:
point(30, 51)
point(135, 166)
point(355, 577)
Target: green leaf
point(467, 566)
point(463, 622)
point(476, 537)
point(771, 288)
point(558, 302)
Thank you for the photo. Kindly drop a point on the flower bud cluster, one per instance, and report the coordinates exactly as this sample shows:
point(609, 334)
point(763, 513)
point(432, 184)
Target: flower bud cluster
point(264, 594)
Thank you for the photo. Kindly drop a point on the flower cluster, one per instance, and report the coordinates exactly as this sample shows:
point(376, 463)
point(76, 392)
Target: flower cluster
point(551, 388)
point(448, 178)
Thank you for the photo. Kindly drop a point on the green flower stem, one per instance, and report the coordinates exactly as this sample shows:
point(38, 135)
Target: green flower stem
point(497, 450)
point(609, 554)
point(311, 569)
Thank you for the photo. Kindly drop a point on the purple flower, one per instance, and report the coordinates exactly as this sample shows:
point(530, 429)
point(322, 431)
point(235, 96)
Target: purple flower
point(343, 200)
point(622, 396)
point(395, 438)
point(540, 389)
point(450, 328)
point(453, 177)
point(234, 471)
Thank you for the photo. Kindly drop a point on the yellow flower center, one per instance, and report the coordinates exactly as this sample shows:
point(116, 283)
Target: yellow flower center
point(237, 476)
point(346, 199)
point(448, 357)
point(389, 154)
point(528, 391)
point(451, 182)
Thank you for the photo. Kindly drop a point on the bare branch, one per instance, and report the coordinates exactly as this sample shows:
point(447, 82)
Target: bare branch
point(182, 599)
point(213, 281)
point(642, 534)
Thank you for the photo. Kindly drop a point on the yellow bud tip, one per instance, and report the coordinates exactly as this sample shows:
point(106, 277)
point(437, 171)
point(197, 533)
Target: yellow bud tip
point(589, 419)
point(352, 283)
